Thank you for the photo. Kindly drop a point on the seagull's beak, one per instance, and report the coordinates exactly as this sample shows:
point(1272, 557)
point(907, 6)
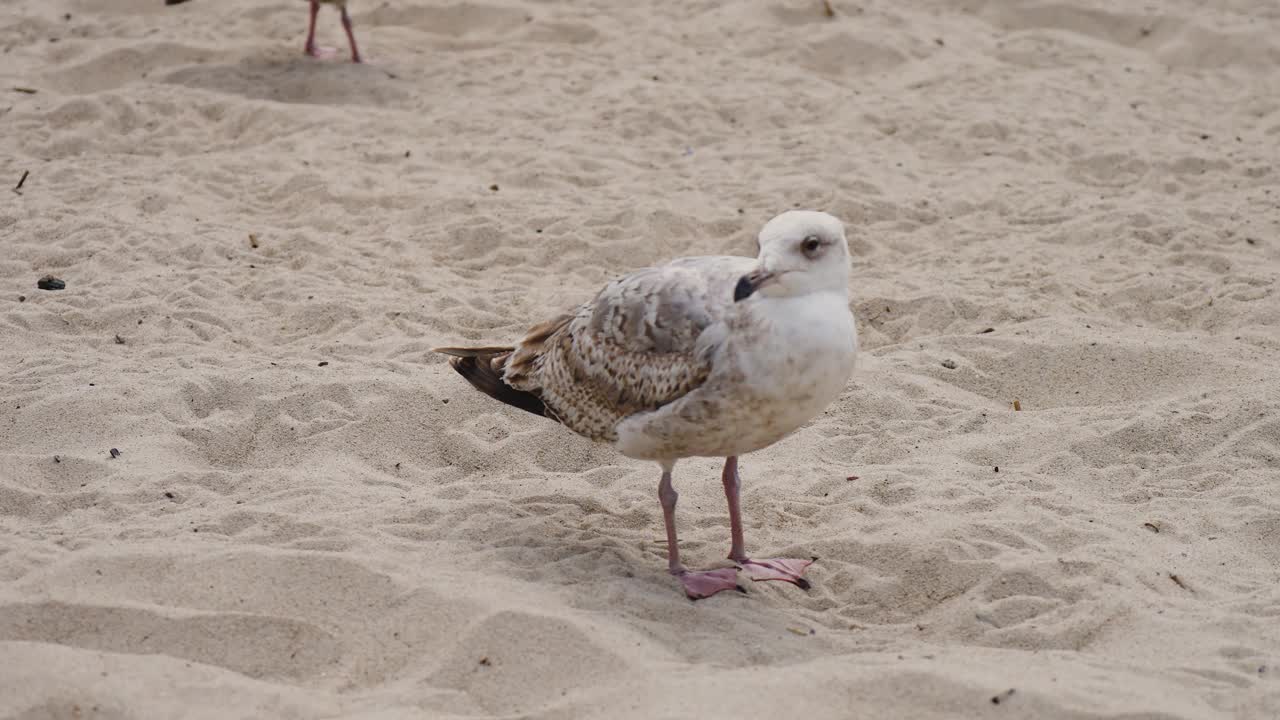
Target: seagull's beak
point(751, 282)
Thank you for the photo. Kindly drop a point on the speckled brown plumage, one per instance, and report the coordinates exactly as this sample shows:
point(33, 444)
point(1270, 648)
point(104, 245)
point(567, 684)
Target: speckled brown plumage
point(633, 348)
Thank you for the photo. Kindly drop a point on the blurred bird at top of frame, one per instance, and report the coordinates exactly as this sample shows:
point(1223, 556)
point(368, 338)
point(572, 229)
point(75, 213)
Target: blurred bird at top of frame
point(311, 48)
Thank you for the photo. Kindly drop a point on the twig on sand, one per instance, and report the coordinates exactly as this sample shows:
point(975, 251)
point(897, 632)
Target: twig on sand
point(18, 188)
point(1002, 697)
point(827, 9)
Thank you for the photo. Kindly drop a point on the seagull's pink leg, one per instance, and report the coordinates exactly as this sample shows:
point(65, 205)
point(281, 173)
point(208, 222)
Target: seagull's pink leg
point(696, 584)
point(351, 37)
point(786, 569)
point(311, 48)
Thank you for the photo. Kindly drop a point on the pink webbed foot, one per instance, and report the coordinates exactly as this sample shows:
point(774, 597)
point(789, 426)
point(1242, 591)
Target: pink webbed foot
point(785, 569)
point(698, 585)
point(321, 52)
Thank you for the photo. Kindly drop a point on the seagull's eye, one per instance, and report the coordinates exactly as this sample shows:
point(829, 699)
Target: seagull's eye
point(810, 245)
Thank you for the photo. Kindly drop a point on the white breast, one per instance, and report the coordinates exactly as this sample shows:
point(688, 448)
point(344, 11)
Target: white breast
point(769, 380)
point(801, 364)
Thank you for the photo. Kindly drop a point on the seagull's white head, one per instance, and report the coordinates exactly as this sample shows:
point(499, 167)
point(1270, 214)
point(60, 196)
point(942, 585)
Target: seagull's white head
point(801, 252)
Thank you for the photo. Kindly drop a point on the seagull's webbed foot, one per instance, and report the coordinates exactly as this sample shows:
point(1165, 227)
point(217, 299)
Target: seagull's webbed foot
point(320, 52)
point(786, 569)
point(698, 585)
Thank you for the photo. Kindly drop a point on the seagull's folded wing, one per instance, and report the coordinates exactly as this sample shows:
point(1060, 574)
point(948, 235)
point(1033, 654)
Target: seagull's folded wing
point(633, 348)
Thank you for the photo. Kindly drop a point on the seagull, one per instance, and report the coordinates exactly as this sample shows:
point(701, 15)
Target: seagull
point(714, 356)
point(310, 48)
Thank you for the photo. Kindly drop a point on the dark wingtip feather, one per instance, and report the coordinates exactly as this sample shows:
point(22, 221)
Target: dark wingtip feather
point(478, 369)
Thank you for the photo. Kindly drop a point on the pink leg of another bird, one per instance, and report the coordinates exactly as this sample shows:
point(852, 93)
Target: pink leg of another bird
point(351, 36)
point(786, 569)
point(696, 584)
point(311, 48)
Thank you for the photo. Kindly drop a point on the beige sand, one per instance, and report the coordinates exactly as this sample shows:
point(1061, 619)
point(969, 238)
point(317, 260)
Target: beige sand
point(370, 538)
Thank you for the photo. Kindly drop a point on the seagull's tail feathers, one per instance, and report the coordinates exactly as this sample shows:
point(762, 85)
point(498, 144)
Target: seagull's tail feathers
point(483, 368)
point(461, 352)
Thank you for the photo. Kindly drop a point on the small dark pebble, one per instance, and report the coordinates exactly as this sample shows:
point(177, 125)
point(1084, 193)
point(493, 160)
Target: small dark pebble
point(949, 364)
point(115, 453)
point(485, 662)
point(119, 340)
point(1251, 241)
point(49, 282)
point(1204, 136)
point(445, 401)
point(323, 363)
point(397, 466)
point(22, 298)
point(939, 42)
point(57, 459)
point(997, 468)
point(494, 187)
point(406, 153)
point(168, 495)
point(986, 330)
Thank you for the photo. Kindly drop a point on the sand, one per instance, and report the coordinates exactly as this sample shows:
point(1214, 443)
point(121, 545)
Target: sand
point(1076, 204)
